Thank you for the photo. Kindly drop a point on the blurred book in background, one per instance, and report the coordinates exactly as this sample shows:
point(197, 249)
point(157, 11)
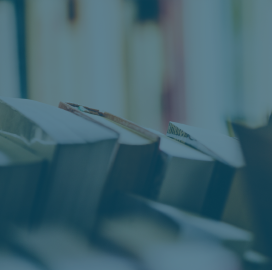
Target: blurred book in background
point(9, 62)
point(145, 62)
point(256, 60)
point(148, 61)
point(75, 52)
point(174, 107)
point(208, 62)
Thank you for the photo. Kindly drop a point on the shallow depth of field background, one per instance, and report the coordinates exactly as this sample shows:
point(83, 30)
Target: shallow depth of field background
point(150, 61)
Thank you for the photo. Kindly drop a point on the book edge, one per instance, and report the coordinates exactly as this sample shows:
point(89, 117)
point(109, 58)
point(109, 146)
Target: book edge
point(123, 122)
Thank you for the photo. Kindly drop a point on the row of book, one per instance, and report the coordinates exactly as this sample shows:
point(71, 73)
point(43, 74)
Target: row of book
point(227, 49)
point(117, 183)
point(228, 56)
point(119, 155)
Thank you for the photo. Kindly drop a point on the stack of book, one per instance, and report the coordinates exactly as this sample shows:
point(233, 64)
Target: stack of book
point(83, 188)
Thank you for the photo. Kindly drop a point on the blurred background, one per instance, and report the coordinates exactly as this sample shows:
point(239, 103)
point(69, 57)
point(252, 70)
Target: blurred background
point(150, 61)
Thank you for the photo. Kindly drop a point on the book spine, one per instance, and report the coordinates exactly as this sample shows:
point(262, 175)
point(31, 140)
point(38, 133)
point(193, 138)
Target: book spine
point(218, 191)
point(9, 64)
point(174, 97)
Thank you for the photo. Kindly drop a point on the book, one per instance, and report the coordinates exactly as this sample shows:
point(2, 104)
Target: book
point(253, 41)
point(145, 66)
point(227, 153)
point(182, 175)
point(135, 160)
point(257, 147)
point(237, 209)
point(207, 62)
point(85, 39)
point(79, 156)
point(219, 146)
point(142, 226)
point(174, 97)
point(20, 174)
point(10, 66)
